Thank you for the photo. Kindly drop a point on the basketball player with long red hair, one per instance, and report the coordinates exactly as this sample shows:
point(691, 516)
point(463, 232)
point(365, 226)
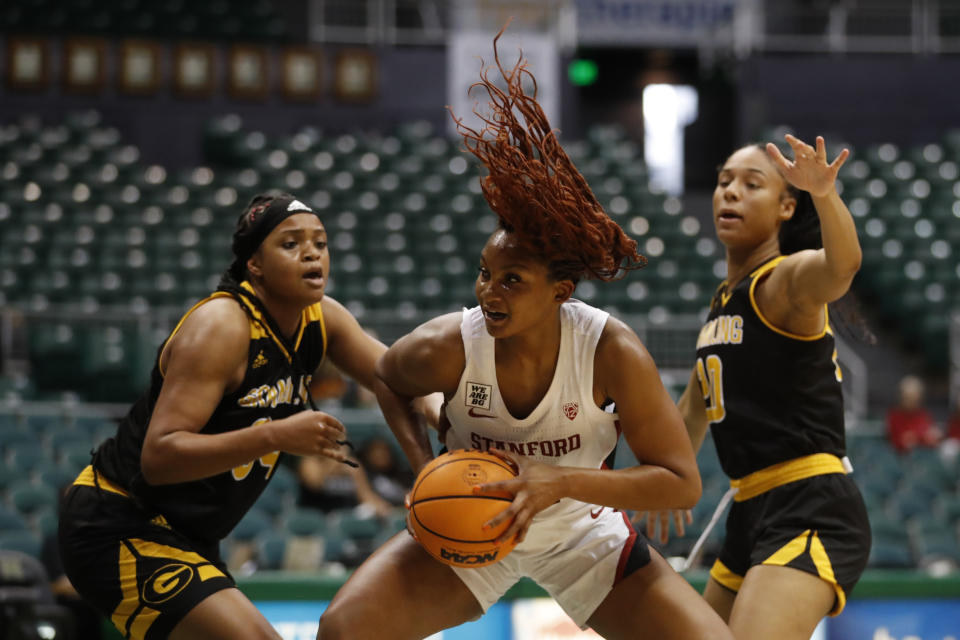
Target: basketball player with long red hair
point(528, 375)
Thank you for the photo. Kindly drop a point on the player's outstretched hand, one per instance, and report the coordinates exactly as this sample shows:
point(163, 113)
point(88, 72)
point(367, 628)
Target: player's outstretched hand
point(810, 170)
point(535, 488)
point(312, 433)
point(681, 517)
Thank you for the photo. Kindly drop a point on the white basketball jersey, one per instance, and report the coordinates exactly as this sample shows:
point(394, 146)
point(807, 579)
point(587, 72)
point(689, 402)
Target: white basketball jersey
point(567, 428)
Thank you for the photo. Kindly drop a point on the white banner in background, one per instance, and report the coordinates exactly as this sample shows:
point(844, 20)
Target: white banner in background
point(651, 22)
point(543, 619)
point(466, 49)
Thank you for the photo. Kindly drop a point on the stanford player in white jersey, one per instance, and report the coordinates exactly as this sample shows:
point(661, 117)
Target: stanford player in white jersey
point(525, 374)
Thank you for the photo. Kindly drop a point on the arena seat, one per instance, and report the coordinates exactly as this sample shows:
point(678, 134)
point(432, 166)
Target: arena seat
point(304, 522)
point(253, 524)
point(29, 499)
point(271, 548)
point(11, 520)
point(22, 540)
point(884, 555)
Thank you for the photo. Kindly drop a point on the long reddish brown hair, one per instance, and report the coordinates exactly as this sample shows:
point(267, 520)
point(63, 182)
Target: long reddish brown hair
point(536, 191)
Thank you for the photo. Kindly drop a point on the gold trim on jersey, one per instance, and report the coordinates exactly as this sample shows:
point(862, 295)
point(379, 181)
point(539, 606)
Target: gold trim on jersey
point(313, 313)
point(725, 293)
point(771, 477)
point(723, 576)
point(90, 478)
point(755, 278)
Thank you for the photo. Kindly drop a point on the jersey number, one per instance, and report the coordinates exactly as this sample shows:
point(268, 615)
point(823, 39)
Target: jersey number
point(268, 460)
point(710, 376)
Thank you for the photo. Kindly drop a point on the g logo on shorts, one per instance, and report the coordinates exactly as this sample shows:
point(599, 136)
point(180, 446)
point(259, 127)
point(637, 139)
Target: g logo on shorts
point(166, 582)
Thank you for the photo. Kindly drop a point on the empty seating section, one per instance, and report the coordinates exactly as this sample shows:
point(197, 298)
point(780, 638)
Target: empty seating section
point(906, 203)
point(91, 227)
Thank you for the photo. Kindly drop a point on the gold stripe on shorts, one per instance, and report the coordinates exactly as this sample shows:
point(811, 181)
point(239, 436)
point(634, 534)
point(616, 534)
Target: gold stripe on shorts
point(722, 575)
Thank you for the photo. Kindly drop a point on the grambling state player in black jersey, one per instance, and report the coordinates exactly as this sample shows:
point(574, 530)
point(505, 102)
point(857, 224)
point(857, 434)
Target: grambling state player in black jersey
point(767, 383)
point(140, 528)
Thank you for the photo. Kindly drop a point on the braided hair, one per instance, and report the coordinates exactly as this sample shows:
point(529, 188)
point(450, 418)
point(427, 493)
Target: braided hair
point(534, 188)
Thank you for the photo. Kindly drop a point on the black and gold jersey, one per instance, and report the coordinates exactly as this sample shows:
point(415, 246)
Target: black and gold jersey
point(275, 386)
point(771, 396)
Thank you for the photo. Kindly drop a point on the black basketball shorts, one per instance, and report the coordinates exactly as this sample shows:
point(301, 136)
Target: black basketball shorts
point(818, 525)
point(130, 565)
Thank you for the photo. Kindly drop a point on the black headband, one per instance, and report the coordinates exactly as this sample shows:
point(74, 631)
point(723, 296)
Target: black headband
point(259, 219)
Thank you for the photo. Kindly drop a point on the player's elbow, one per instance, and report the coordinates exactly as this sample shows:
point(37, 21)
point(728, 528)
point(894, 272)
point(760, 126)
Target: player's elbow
point(690, 489)
point(156, 462)
point(845, 267)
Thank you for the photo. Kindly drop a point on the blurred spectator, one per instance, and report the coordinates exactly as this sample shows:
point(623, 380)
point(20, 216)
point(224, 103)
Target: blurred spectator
point(329, 385)
point(909, 424)
point(327, 485)
point(953, 422)
point(327, 382)
point(950, 447)
point(87, 620)
point(390, 479)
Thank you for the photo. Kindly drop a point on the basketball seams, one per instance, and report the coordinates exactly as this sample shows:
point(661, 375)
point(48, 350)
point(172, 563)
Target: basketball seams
point(460, 458)
point(449, 537)
point(440, 535)
point(459, 496)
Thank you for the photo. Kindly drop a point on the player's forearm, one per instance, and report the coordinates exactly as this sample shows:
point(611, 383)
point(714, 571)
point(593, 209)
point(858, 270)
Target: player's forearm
point(839, 233)
point(642, 488)
point(182, 456)
point(411, 435)
point(695, 421)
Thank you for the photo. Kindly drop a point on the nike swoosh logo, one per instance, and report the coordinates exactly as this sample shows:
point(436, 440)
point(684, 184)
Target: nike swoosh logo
point(595, 513)
point(478, 415)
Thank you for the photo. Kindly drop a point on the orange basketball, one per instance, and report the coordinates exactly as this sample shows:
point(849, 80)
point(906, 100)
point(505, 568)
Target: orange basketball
point(447, 518)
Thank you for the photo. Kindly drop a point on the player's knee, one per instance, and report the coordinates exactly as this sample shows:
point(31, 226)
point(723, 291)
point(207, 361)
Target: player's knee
point(333, 624)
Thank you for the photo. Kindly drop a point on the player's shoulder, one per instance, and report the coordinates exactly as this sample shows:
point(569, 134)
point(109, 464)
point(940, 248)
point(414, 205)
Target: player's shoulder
point(617, 340)
point(211, 340)
point(218, 322)
point(436, 341)
point(442, 329)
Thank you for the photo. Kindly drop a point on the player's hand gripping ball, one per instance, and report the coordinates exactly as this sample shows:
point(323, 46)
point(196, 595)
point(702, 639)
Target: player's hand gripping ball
point(447, 517)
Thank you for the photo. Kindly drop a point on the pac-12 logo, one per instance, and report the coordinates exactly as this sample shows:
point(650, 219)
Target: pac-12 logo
point(478, 395)
point(571, 409)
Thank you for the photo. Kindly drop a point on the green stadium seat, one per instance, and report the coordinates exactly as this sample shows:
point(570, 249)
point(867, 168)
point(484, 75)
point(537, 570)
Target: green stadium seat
point(11, 520)
point(253, 523)
point(938, 545)
point(355, 526)
point(284, 479)
point(884, 555)
point(909, 502)
point(305, 522)
point(21, 540)
point(271, 548)
point(29, 499)
point(46, 522)
point(78, 457)
point(53, 474)
point(25, 457)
